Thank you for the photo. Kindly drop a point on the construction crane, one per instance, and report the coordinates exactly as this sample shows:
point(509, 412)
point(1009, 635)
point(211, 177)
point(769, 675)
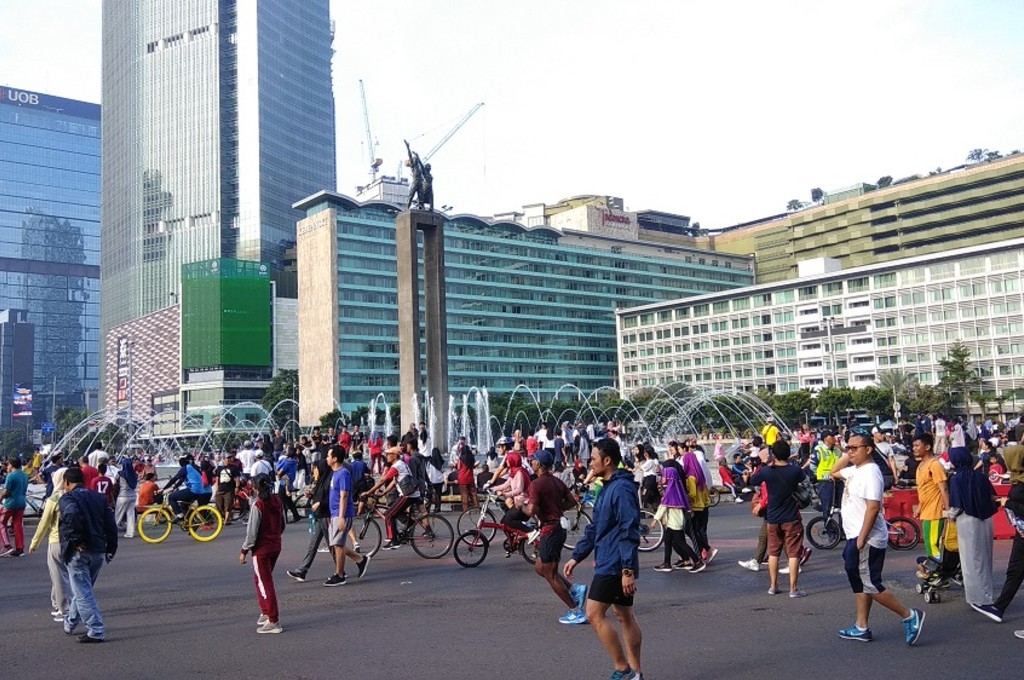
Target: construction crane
point(451, 132)
point(375, 162)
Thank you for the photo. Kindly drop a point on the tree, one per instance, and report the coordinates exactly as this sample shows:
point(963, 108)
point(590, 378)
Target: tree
point(817, 195)
point(1000, 400)
point(884, 181)
point(897, 381)
point(794, 205)
point(930, 399)
point(330, 419)
point(976, 155)
point(791, 405)
point(958, 376)
point(285, 385)
point(875, 400)
point(14, 440)
point(992, 155)
point(834, 400)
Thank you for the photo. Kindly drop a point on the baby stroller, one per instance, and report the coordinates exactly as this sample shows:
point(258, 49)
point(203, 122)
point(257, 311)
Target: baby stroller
point(936, 574)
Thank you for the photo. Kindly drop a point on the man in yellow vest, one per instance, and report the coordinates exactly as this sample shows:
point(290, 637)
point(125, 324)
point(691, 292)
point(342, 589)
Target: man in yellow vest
point(824, 456)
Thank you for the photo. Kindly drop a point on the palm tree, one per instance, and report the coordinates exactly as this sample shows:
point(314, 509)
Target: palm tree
point(898, 380)
point(1000, 400)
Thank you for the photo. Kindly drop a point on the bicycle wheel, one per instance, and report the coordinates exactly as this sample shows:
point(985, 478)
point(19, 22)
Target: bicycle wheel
point(529, 551)
point(714, 496)
point(904, 534)
point(154, 525)
point(369, 535)
point(431, 536)
point(470, 548)
point(578, 523)
point(204, 523)
point(468, 521)
point(824, 534)
point(650, 536)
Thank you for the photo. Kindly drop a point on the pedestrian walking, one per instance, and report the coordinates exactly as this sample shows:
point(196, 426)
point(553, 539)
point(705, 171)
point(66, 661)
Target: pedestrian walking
point(263, 539)
point(321, 511)
point(972, 500)
point(12, 511)
point(124, 510)
point(49, 529)
point(1014, 502)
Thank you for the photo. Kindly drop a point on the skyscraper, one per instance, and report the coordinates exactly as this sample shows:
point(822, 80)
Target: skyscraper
point(49, 249)
point(219, 114)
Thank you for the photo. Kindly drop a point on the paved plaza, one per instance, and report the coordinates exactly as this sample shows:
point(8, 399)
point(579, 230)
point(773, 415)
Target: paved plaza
point(186, 610)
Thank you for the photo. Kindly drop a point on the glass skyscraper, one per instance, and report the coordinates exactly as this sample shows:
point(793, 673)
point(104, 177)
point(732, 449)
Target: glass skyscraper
point(218, 115)
point(533, 306)
point(49, 242)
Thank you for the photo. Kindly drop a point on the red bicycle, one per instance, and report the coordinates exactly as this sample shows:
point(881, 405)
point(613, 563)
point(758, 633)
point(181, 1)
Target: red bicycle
point(471, 546)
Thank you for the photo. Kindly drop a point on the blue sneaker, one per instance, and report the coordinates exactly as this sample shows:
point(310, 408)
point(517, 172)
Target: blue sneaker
point(627, 674)
point(855, 633)
point(912, 625)
point(579, 595)
point(575, 617)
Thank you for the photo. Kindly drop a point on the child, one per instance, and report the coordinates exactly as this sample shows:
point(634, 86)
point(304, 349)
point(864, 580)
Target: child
point(674, 504)
point(263, 538)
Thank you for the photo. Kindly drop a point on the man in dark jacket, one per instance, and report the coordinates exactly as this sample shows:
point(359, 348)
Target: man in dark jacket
point(614, 537)
point(88, 535)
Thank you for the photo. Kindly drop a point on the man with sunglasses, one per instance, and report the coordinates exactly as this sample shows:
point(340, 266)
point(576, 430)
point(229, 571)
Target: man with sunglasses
point(867, 537)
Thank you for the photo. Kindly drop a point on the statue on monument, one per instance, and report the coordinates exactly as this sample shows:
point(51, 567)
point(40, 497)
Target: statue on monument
point(421, 189)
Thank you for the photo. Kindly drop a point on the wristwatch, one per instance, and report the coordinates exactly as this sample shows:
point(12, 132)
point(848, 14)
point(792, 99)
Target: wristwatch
point(627, 572)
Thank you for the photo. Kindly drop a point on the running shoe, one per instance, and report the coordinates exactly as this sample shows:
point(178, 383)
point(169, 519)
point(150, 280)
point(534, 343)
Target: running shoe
point(627, 674)
point(1018, 634)
point(797, 593)
point(698, 567)
point(263, 619)
point(574, 617)
point(89, 640)
point(751, 564)
point(270, 627)
point(912, 625)
point(664, 568)
point(324, 549)
point(6, 551)
point(579, 595)
point(784, 570)
point(335, 580)
point(989, 611)
point(711, 555)
point(361, 567)
point(738, 500)
point(388, 545)
point(855, 633)
point(532, 536)
point(682, 564)
point(299, 576)
point(804, 556)
point(774, 591)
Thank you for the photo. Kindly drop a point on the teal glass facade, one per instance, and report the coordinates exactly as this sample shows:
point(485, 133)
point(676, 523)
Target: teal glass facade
point(524, 306)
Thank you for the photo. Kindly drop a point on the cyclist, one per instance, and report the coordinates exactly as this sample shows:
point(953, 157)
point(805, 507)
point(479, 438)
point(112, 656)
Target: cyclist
point(548, 496)
point(395, 477)
point(189, 475)
point(515, 490)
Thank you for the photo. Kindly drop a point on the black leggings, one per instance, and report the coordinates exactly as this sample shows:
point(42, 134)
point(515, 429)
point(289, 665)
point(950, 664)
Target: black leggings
point(1014, 574)
point(699, 529)
point(289, 503)
point(515, 518)
point(675, 539)
point(437, 489)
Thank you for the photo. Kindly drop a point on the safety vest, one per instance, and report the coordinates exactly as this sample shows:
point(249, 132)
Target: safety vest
point(826, 459)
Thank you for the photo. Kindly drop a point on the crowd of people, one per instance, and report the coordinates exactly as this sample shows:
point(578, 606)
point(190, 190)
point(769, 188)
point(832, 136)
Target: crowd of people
point(953, 463)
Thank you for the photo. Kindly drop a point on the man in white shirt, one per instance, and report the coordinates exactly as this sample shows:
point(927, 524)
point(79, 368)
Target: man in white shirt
point(261, 466)
point(246, 458)
point(97, 456)
point(885, 448)
point(941, 435)
point(867, 537)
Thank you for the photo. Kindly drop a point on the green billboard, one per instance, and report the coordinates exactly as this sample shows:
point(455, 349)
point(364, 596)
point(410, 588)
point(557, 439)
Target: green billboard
point(225, 314)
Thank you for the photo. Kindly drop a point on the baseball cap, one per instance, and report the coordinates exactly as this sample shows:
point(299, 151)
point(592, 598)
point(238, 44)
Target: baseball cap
point(545, 458)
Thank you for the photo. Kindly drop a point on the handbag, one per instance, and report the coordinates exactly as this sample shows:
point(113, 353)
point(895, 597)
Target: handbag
point(407, 485)
point(802, 496)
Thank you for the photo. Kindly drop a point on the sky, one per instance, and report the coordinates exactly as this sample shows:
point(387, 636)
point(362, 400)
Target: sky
point(723, 111)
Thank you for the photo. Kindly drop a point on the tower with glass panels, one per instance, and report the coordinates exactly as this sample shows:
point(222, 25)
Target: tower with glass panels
point(49, 245)
point(219, 115)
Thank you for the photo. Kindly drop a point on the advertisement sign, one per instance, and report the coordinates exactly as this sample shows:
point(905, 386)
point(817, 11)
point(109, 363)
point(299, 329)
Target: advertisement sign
point(124, 354)
point(22, 402)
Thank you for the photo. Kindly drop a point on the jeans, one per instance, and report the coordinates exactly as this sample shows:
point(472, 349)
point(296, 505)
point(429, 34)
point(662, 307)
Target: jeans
point(83, 568)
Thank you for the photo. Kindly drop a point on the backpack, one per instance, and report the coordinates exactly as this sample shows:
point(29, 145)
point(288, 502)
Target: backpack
point(888, 480)
point(803, 495)
point(225, 475)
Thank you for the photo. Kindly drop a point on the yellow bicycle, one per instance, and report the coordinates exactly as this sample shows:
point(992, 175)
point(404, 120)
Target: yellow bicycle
point(202, 522)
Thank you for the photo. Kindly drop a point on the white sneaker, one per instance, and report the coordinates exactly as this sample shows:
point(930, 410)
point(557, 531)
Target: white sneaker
point(533, 536)
point(262, 620)
point(270, 627)
point(1019, 634)
point(739, 500)
point(750, 564)
point(784, 570)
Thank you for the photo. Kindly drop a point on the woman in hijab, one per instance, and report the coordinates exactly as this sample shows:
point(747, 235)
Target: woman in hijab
point(972, 494)
point(515, 489)
point(435, 475)
point(1014, 456)
point(700, 499)
point(60, 586)
point(672, 513)
point(127, 487)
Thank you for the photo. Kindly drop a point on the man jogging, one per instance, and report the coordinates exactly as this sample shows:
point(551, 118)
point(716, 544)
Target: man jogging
point(614, 537)
point(548, 495)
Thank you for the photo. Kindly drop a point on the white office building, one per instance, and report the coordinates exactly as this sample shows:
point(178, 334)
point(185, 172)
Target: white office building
point(837, 328)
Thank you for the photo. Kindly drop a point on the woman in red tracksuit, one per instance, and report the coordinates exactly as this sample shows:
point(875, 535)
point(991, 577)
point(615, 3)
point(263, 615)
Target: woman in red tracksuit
point(263, 538)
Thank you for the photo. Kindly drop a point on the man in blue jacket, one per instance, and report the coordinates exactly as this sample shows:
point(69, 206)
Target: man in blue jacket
point(88, 535)
point(613, 537)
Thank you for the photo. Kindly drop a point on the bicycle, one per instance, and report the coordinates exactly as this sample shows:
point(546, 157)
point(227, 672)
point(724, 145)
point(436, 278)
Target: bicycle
point(202, 522)
point(471, 546)
point(826, 531)
point(429, 534)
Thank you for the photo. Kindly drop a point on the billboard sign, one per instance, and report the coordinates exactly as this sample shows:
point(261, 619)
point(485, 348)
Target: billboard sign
point(22, 401)
point(124, 369)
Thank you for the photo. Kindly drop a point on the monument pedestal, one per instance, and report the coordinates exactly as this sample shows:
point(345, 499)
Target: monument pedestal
point(407, 224)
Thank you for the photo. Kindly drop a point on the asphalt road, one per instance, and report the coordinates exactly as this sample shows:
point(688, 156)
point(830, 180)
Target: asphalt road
point(187, 610)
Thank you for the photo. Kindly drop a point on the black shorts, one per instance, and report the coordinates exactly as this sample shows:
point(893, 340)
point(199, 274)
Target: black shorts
point(551, 545)
point(608, 590)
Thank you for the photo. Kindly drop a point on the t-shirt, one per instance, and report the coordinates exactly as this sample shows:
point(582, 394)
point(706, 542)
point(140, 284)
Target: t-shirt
point(226, 475)
point(358, 470)
point(147, 493)
point(16, 486)
point(104, 485)
point(929, 475)
point(341, 480)
point(782, 481)
point(399, 470)
point(546, 494)
point(863, 484)
point(89, 473)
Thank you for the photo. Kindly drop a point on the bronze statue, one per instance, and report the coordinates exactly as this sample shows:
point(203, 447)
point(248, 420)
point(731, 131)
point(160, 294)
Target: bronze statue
point(422, 187)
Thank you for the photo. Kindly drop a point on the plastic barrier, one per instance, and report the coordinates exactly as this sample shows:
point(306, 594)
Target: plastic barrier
point(903, 502)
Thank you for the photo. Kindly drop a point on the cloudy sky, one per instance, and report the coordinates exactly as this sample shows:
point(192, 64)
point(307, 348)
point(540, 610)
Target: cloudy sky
point(719, 110)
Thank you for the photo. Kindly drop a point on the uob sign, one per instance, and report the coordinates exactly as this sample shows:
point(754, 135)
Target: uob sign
point(18, 96)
